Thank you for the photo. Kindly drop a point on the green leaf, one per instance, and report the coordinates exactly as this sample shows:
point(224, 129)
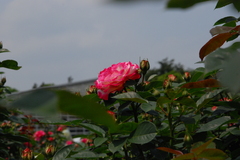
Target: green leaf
point(225, 20)
point(214, 124)
point(93, 128)
point(186, 101)
point(145, 132)
point(99, 141)
point(235, 132)
point(197, 74)
point(82, 107)
point(116, 145)
point(131, 96)
point(40, 156)
point(127, 127)
point(183, 3)
point(14, 137)
point(163, 100)
point(212, 154)
point(63, 152)
point(40, 102)
point(146, 107)
point(226, 60)
point(222, 3)
point(10, 64)
point(236, 4)
point(4, 50)
point(88, 154)
point(209, 96)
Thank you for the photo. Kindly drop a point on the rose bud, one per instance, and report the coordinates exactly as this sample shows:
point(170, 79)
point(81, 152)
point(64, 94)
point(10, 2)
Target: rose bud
point(172, 77)
point(187, 76)
point(27, 154)
point(50, 150)
point(166, 84)
point(144, 66)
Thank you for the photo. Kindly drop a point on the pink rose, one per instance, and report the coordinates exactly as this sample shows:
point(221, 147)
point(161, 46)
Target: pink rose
point(69, 142)
point(38, 135)
point(112, 79)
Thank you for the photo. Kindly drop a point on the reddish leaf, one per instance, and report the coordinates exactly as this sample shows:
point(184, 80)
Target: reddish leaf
point(199, 149)
point(169, 150)
point(185, 156)
point(214, 43)
point(202, 84)
point(212, 154)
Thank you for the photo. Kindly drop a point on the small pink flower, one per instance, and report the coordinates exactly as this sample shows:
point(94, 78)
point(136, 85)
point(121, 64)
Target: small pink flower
point(38, 135)
point(85, 140)
point(69, 142)
point(27, 144)
point(50, 139)
point(112, 79)
point(50, 133)
point(172, 77)
point(214, 108)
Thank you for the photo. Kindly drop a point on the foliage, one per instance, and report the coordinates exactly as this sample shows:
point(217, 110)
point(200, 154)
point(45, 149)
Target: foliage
point(195, 118)
point(167, 67)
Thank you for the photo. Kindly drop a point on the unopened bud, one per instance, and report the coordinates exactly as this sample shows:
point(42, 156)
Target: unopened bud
point(172, 77)
point(92, 89)
point(3, 81)
point(144, 66)
point(187, 76)
point(1, 45)
point(50, 150)
point(27, 154)
point(166, 84)
point(188, 138)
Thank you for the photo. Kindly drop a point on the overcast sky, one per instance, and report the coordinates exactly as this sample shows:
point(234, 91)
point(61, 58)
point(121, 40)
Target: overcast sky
point(55, 39)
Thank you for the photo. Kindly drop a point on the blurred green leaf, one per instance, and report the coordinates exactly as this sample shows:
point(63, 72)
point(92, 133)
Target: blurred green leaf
point(145, 132)
point(82, 107)
point(183, 3)
point(222, 3)
point(10, 64)
point(146, 107)
point(40, 102)
point(117, 145)
point(93, 128)
point(99, 141)
point(226, 60)
point(131, 96)
point(236, 4)
point(225, 20)
point(209, 96)
point(63, 152)
point(88, 154)
point(214, 124)
point(127, 127)
point(197, 74)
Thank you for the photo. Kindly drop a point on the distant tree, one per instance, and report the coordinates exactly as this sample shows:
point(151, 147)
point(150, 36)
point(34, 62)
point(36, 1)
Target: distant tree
point(167, 67)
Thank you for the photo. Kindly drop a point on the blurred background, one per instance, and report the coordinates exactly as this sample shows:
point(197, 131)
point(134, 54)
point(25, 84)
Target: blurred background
point(61, 41)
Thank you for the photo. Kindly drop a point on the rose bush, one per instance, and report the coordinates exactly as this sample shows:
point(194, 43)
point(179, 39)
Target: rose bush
point(113, 79)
